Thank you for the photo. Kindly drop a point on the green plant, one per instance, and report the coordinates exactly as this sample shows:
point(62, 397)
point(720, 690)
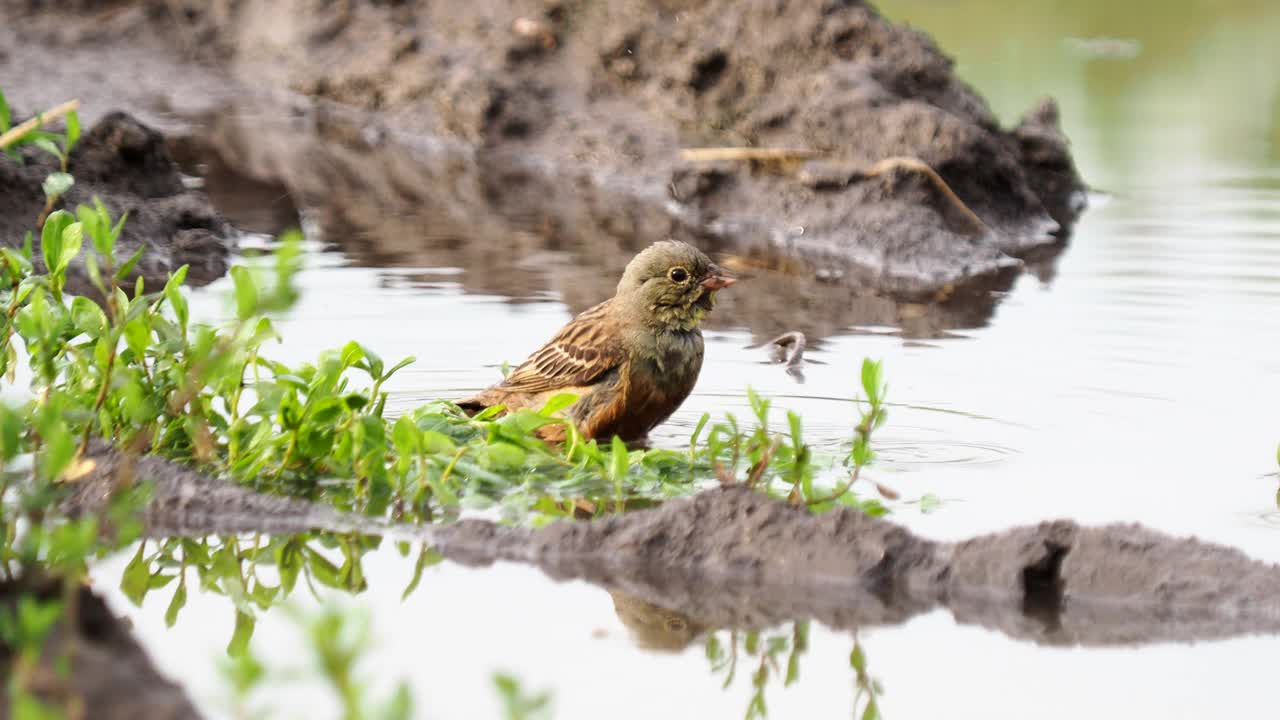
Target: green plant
point(339, 642)
point(867, 689)
point(770, 648)
point(59, 145)
point(519, 704)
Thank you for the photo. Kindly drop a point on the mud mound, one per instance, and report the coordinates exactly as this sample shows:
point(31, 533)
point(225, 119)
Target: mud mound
point(126, 165)
point(110, 675)
point(605, 95)
point(184, 502)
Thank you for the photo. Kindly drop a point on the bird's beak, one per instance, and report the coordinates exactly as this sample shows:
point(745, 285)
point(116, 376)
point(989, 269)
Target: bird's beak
point(717, 278)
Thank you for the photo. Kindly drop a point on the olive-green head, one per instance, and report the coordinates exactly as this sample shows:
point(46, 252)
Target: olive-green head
point(672, 285)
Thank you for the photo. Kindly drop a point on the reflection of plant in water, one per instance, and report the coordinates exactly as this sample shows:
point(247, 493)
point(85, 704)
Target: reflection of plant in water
point(868, 689)
point(338, 640)
point(518, 703)
point(23, 629)
point(769, 648)
point(233, 567)
point(764, 652)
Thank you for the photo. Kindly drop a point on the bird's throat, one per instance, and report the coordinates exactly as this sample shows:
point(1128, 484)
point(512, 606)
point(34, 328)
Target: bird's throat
point(682, 317)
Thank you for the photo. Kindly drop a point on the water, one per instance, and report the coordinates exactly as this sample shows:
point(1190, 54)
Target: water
point(1134, 378)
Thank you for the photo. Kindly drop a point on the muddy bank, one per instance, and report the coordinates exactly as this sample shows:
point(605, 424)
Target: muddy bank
point(110, 678)
point(570, 119)
point(730, 557)
point(126, 165)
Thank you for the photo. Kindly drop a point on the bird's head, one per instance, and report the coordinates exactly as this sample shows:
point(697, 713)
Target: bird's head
point(672, 285)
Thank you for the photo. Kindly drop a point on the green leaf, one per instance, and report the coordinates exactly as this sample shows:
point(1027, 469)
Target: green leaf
point(51, 237)
point(697, 429)
point(556, 403)
point(503, 456)
point(95, 273)
point(246, 292)
point(325, 572)
point(351, 354)
point(373, 363)
point(44, 143)
point(239, 644)
point(871, 379)
point(73, 130)
point(404, 435)
point(5, 115)
point(12, 425)
point(398, 366)
point(437, 443)
point(138, 337)
point(289, 561)
point(400, 707)
point(930, 502)
point(137, 577)
point(857, 660)
point(177, 301)
point(88, 317)
point(426, 558)
point(178, 602)
point(129, 264)
point(619, 459)
point(59, 448)
point(57, 184)
point(72, 239)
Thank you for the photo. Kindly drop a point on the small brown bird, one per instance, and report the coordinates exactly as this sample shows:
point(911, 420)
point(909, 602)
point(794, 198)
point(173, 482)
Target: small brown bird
point(632, 359)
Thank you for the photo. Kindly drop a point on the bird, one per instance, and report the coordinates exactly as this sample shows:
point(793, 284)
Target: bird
point(631, 360)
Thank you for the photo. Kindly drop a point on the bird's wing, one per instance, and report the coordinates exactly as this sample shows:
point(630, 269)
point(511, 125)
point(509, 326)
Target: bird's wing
point(586, 348)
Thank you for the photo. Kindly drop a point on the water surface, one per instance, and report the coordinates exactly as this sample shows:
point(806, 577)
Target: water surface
point(1133, 378)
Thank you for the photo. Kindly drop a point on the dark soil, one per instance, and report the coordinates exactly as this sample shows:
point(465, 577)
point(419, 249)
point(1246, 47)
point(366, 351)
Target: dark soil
point(111, 676)
point(731, 557)
point(523, 132)
point(126, 165)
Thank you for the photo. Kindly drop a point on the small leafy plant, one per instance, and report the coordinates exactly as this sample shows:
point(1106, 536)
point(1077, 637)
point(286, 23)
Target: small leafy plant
point(59, 145)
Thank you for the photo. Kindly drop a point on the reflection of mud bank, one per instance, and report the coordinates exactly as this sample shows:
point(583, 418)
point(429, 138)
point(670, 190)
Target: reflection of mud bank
point(555, 131)
point(125, 165)
point(518, 230)
point(734, 558)
point(110, 676)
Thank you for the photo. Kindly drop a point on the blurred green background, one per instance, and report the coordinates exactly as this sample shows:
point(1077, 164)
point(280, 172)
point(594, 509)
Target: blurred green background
point(1149, 92)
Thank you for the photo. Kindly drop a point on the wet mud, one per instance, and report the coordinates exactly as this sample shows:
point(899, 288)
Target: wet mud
point(507, 138)
point(110, 678)
point(127, 166)
point(734, 558)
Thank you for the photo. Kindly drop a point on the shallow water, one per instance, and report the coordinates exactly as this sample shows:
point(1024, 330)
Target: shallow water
point(1133, 378)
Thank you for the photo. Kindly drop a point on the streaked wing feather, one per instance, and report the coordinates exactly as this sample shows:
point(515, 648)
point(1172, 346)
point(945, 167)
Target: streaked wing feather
point(582, 351)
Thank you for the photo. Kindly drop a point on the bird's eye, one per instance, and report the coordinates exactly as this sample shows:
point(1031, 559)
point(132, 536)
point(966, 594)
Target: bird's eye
point(678, 275)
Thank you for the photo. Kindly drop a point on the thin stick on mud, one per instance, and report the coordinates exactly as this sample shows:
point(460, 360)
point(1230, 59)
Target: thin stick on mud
point(782, 161)
point(914, 164)
point(17, 132)
point(711, 154)
point(790, 159)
